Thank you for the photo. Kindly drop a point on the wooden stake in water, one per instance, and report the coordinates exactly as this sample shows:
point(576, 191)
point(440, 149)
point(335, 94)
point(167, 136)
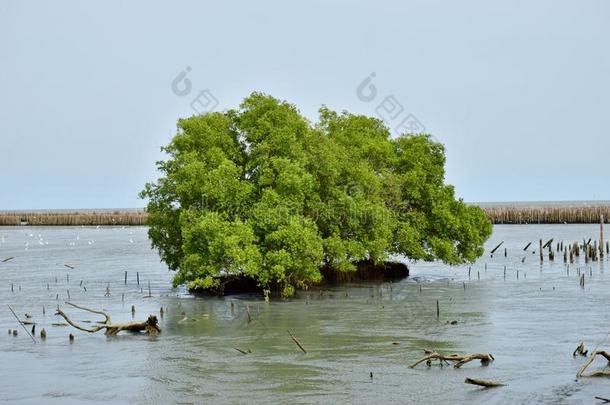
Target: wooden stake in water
point(438, 309)
point(125, 278)
point(601, 235)
point(138, 277)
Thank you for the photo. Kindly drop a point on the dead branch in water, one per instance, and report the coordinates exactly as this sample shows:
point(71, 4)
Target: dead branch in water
point(20, 323)
point(496, 248)
point(297, 342)
point(432, 355)
point(483, 383)
point(605, 400)
point(594, 354)
point(484, 357)
point(459, 359)
point(150, 325)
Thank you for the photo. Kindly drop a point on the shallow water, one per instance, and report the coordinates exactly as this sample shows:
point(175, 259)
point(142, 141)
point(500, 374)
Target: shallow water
point(530, 324)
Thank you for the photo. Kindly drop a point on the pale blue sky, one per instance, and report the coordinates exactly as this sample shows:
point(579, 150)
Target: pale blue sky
point(518, 91)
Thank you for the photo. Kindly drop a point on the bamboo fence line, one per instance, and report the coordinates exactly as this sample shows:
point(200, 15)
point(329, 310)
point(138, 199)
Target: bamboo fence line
point(547, 215)
point(497, 214)
point(73, 218)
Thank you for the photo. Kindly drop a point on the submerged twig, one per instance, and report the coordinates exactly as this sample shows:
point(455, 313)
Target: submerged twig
point(297, 342)
point(20, 323)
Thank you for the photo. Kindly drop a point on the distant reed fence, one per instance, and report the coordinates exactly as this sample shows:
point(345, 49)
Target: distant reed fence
point(547, 215)
point(496, 214)
point(73, 218)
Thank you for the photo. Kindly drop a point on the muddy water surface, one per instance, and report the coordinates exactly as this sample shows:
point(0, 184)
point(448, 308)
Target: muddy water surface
point(531, 323)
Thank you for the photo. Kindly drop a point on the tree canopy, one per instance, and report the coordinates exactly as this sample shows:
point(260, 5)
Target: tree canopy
point(261, 191)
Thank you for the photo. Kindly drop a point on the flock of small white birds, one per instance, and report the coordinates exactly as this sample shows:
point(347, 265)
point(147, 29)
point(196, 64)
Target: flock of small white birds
point(31, 238)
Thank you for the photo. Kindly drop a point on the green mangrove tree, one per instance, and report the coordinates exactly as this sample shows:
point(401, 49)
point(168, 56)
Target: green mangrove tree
point(261, 191)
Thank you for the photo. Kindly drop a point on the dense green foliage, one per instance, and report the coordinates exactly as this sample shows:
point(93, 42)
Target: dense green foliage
point(262, 191)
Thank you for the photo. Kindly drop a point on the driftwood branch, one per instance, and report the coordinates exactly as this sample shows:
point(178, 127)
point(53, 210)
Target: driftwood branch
point(437, 356)
point(458, 359)
point(150, 325)
point(594, 354)
point(484, 357)
point(483, 383)
point(297, 342)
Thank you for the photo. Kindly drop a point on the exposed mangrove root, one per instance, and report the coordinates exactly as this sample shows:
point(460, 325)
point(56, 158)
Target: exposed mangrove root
point(150, 325)
point(458, 359)
point(594, 354)
point(483, 383)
